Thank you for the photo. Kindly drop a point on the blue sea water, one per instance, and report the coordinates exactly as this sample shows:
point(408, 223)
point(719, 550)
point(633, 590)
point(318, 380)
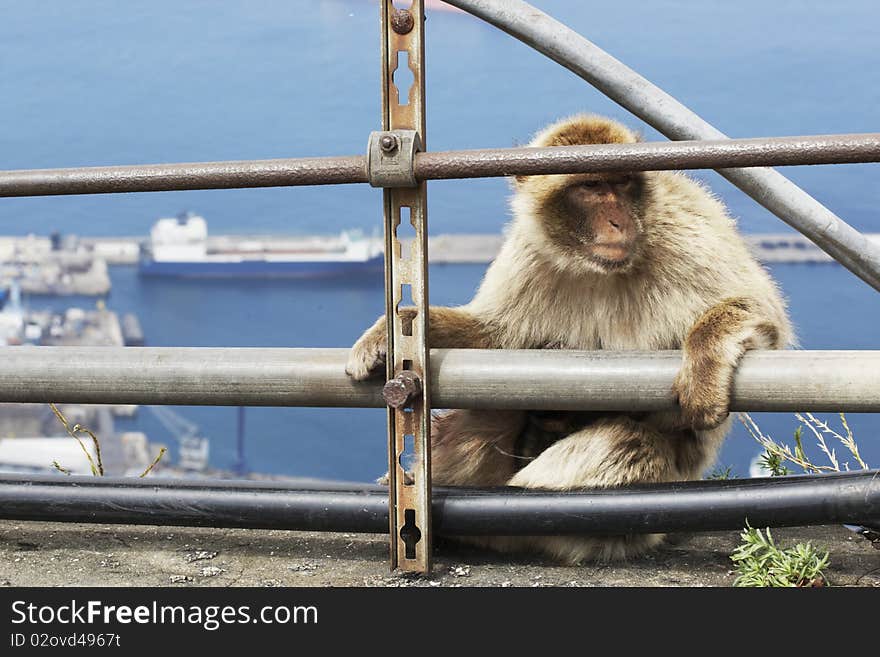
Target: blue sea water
point(96, 82)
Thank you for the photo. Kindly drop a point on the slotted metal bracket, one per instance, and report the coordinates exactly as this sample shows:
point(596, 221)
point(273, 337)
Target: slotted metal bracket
point(403, 117)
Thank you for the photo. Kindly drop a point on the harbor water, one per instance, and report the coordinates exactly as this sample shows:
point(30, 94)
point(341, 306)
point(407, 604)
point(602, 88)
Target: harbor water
point(350, 443)
point(88, 83)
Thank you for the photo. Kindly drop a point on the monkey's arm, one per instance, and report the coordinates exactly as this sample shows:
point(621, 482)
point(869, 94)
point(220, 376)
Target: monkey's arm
point(448, 328)
point(711, 353)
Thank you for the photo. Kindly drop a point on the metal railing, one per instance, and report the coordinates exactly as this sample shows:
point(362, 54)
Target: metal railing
point(442, 165)
point(460, 378)
point(543, 379)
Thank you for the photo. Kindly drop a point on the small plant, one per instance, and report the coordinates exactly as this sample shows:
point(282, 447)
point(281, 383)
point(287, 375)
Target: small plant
point(761, 563)
point(75, 431)
point(721, 473)
point(96, 464)
point(777, 454)
point(774, 464)
point(152, 465)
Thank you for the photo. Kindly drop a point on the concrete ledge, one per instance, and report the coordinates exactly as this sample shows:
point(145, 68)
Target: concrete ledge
point(59, 554)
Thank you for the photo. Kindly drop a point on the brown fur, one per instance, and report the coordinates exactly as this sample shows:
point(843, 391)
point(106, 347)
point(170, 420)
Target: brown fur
point(712, 350)
point(687, 283)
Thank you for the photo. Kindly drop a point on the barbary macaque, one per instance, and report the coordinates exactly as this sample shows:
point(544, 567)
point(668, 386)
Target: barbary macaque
point(620, 261)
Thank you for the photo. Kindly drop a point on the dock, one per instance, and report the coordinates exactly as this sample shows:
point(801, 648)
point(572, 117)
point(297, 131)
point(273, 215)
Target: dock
point(31, 437)
point(74, 265)
point(52, 266)
point(476, 248)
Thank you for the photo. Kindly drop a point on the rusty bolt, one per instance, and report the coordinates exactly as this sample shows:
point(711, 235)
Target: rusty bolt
point(402, 21)
point(402, 389)
point(388, 143)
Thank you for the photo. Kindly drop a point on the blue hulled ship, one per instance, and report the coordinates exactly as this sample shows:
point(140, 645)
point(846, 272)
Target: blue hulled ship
point(180, 246)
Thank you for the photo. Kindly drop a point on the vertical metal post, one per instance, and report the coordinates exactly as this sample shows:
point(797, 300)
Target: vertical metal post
point(409, 426)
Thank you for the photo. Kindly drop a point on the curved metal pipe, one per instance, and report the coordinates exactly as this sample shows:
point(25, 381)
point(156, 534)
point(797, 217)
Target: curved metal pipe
point(657, 108)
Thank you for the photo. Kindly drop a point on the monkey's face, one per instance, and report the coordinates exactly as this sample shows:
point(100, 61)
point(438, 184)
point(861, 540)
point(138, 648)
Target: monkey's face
point(595, 221)
point(588, 222)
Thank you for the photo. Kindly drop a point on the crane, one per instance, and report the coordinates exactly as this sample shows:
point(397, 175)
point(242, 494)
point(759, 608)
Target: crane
point(193, 448)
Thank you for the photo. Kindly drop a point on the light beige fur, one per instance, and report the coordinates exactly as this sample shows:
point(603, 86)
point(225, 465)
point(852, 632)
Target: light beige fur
point(692, 285)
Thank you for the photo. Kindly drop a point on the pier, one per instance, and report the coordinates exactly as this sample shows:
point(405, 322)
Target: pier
point(464, 248)
point(53, 266)
point(73, 265)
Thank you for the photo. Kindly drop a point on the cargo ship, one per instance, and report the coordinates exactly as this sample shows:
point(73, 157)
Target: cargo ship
point(180, 246)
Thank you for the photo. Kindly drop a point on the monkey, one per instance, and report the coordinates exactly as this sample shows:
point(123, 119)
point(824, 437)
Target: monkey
point(620, 261)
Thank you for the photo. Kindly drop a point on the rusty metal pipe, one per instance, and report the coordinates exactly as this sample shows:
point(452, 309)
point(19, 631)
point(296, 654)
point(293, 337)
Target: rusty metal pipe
point(650, 156)
point(193, 175)
point(477, 163)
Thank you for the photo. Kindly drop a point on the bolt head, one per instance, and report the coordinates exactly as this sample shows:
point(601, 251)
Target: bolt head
point(402, 21)
point(388, 143)
point(402, 389)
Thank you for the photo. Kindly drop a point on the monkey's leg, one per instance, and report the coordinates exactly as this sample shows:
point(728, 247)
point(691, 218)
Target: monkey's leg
point(712, 351)
point(611, 452)
point(448, 328)
point(475, 448)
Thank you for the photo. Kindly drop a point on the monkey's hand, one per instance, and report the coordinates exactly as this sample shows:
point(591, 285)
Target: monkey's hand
point(712, 351)
point(449, 328)
point(367, 356)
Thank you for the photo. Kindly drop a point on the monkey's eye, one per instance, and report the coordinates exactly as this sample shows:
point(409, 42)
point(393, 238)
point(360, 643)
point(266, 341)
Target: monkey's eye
point(590, 183)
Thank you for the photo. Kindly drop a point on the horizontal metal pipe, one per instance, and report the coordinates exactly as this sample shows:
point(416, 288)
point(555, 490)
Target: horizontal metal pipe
point(650, 156)
point(480, 163)
point(461, 378)
point(657, 108)
point(186, 376)
point(192, 175)
point(681, 506)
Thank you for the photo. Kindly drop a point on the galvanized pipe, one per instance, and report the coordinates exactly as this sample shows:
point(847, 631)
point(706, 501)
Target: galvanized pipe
point(476, 163)
point(681, 506)
point(461, 378)
point(657, 108)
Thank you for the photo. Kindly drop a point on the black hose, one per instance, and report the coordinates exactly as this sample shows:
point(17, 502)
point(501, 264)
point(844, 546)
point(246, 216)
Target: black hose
point(682, 506)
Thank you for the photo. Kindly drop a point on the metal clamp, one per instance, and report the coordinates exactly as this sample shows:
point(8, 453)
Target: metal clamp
point(390, 158)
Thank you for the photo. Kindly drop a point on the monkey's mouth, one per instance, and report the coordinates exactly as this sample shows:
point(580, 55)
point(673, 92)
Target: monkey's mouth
point(612, 253)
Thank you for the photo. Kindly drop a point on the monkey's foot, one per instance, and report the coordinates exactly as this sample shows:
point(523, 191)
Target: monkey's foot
point(572, 550)
point(575, 550)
